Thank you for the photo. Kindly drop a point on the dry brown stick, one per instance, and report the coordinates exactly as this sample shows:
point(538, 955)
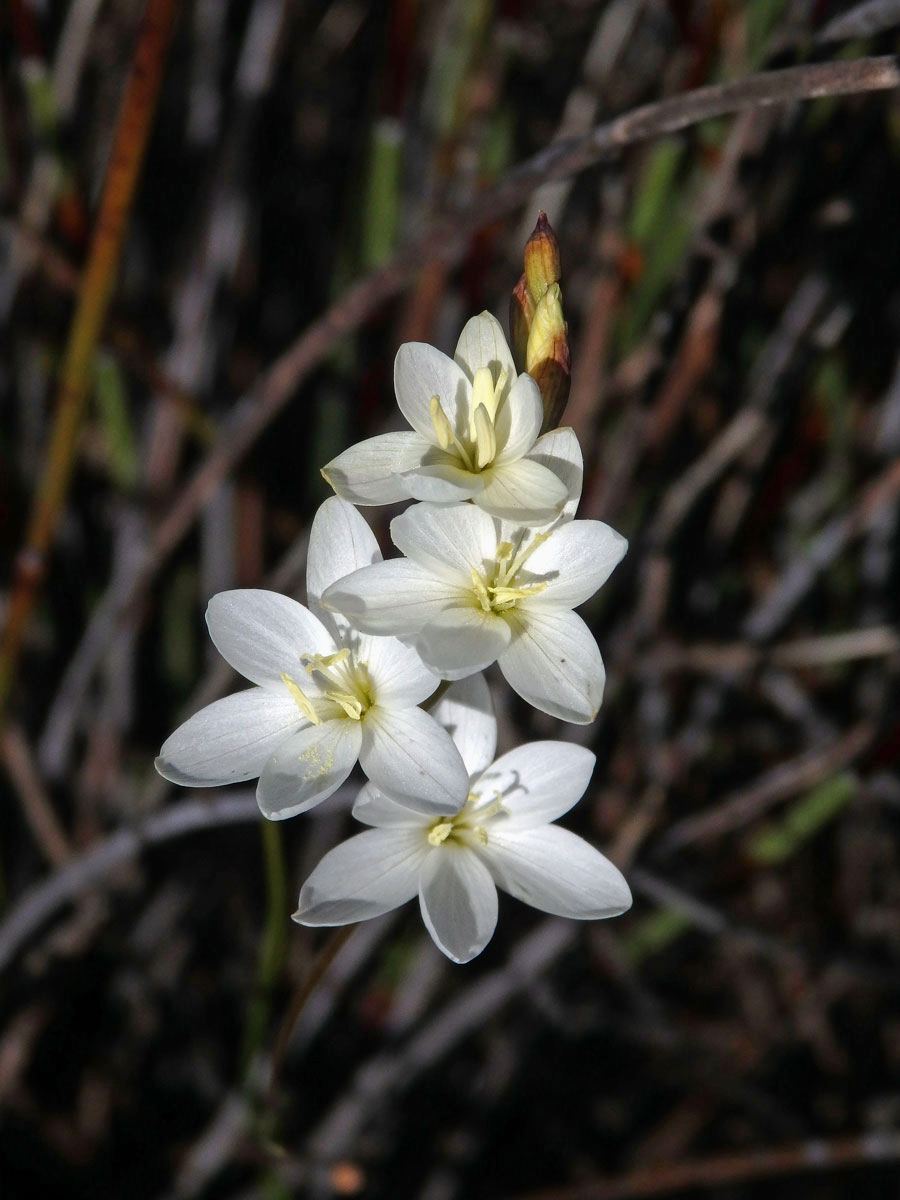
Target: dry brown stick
point(721, 1169)
point(715, 658)
point(126, 158)
point(789, 589)
point(36, 804)
point(780, 783)
point(313, 977)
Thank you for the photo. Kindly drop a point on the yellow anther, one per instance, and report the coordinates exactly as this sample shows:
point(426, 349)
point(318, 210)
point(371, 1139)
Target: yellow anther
point(509, 595)
point(351, 706)
point(439, 833)
point(481, 834)
point(442, 428)
point(481, 591)
point(483, 393)
point(522, 557)
point(321, 662)
point(485, 438)
point(302, 701)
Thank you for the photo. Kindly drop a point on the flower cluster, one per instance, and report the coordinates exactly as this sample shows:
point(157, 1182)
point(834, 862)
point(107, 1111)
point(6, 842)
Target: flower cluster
point(383, 665)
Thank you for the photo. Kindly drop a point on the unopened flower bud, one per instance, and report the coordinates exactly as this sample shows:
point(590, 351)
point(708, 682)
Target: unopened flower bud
point(541, 258)
point(521, 314)
point(547, 358)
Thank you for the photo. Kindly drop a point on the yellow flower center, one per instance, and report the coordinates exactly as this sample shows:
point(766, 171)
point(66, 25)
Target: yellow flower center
point(500, 591)
point(476, 446)
point(347, 684)
point(466, 826)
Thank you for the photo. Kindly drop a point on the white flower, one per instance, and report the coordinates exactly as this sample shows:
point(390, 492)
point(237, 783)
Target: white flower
point(473, 590)
point(326, 696)
point(501, 836)
point(475, 436)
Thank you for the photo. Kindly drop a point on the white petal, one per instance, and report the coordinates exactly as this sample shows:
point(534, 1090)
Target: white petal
point(458, 901)
point(262, 634)
point(230, 740)
point(396, 597)
point(368, 473)
point(575, 560)
point(340, 542)
point(466, 712)
point(420, 372)
point(442, 483)
point(399, 677)
point(553, 663)
point(482, 343)
point(557, 872)
point(463, 640)
point(308, 767)
point(449, 541)
point(410, 757)
point(560, 451)
point(522, 491)
point(519, 420)
point(537, 783)
point(364, 877)
point(373, 807)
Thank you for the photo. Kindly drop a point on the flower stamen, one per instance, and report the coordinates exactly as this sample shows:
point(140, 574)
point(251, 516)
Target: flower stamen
point(301, 699)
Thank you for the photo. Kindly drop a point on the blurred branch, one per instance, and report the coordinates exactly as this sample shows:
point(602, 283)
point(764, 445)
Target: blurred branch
point(447, 240)
point(732, 1170)
point(780, 783)
point(42, 900)
point(36, 804)
point(126, 157)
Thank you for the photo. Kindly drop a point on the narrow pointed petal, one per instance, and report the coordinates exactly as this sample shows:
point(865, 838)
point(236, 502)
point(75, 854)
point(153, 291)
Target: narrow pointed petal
point(537, 783)
point(373, 807)
point(553, 663)
point(466, 712)
point(522, 491)
point(366, 876)
point(420, 372)
point(458, 901)
point(340, 542)
point(369, 472)
point(308, 767)
point(262, 634)
point(576, 561)
point(482, 343)
point(442, 483)
point(229, 741)
point(449, 541)
point(560, 451)
point(396, 598)
point(519, 420)
point(399, 677)
point(557, 872)
point(409, 756)
point(463, 640)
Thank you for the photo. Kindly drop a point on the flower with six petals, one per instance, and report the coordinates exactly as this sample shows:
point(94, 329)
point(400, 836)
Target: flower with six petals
point(325, 696)
point(475, 427)
point(473, 589)
point(500, 835)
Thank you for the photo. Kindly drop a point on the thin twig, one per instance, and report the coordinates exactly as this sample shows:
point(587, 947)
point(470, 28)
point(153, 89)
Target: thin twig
point(126, 158)
point(734, 1169)
point(308, 985)
point(779, 784)
point(36, 804)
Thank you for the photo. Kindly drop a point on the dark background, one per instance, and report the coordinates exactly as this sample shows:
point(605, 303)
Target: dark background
point(734, 307)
